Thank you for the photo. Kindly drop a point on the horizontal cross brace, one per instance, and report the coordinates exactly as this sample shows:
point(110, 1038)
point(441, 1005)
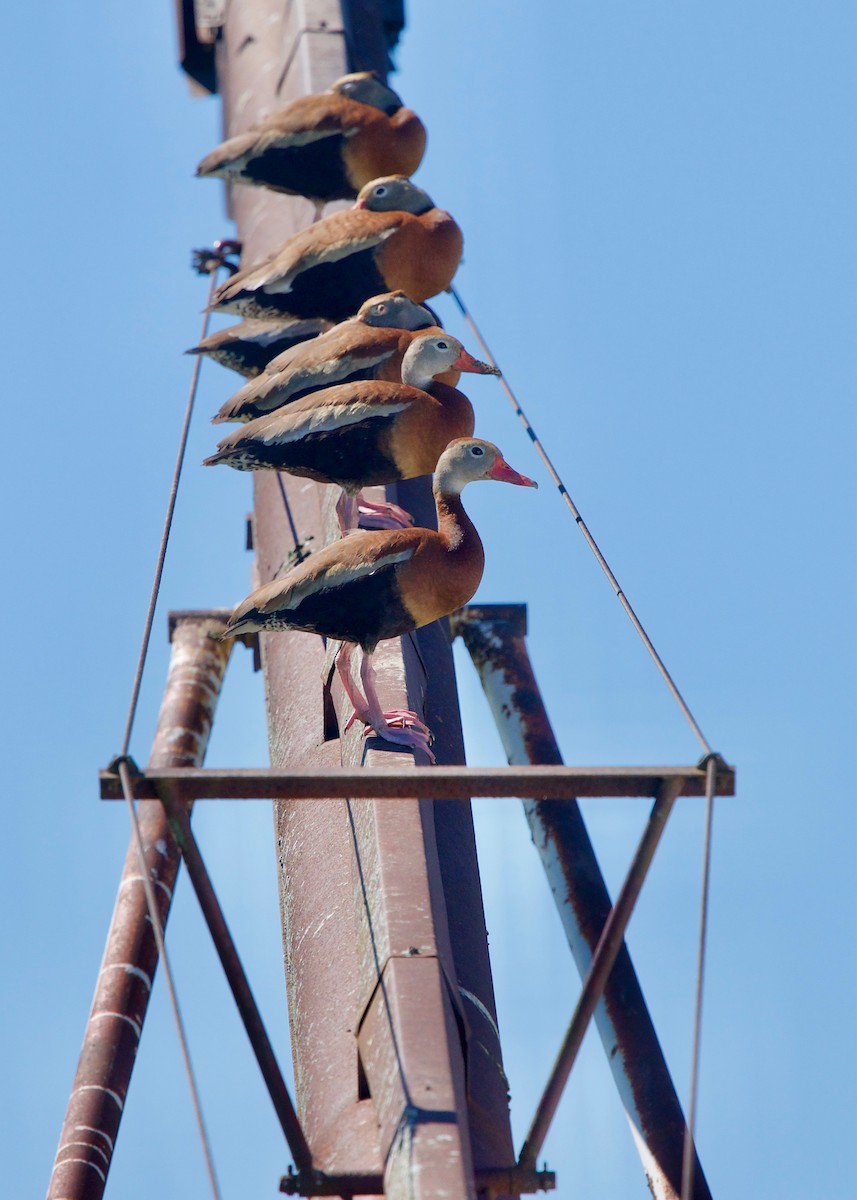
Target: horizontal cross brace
point(433, 783)
point(505, 1181)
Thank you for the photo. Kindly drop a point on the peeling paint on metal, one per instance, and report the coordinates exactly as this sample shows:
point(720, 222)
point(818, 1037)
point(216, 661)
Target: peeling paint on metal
point(494, 636)
point(135, 1025)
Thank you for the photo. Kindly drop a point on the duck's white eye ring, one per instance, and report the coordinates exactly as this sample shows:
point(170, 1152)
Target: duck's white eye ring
point(442, 345)
point(477, 450)
point(381, 190)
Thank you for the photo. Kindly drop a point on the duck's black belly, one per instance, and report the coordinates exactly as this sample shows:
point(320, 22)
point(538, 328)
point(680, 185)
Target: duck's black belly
point(351, 456)
point(364, 611)
point(250, 357)
point(334, 290)
point(315, 170)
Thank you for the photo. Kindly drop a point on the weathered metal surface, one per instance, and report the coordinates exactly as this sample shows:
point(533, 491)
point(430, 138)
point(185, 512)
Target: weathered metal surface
point(411, 1048)
point(392, 782)
point(179, 818)
point(124, 982)
point(494, 635)
point(411, 1052)
point(270, 53)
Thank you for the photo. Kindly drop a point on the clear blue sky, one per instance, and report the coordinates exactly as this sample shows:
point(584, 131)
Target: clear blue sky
point(658, 205)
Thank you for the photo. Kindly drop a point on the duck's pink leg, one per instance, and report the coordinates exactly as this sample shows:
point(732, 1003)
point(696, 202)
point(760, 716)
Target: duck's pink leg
point(352, 511)
point(382, 515)
point(352, 691)
point(347, 515)
point(400, 726)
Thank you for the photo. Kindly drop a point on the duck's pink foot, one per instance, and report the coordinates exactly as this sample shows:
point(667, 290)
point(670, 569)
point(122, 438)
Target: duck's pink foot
point(394, 718)
point(400, 725)
point(402, 717)
point(404, 729)
point(382, 515)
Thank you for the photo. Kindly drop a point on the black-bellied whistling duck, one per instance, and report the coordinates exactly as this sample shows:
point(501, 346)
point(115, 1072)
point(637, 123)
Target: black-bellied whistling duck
point(392, 238)
point(376, 585)
point(365, 433)
point(250, 346)
point(368, 346)
point(325, 146)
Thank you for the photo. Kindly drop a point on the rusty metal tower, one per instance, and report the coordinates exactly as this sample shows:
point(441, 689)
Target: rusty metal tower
point(398, 1061)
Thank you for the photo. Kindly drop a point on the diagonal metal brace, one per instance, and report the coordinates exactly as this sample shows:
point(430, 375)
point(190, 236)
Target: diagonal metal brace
point(495, 635)
point(609, 945)
point(179, 820)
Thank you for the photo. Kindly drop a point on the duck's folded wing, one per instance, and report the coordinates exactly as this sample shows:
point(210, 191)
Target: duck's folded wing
point(307, 120)
point(360, 554)
point(311, 366)
point(327, 241)
point(332, 409)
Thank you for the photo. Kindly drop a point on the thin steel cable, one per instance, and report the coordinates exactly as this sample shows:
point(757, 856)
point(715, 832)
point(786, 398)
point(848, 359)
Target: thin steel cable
point(168, 520)
point(157, 929)
point(300, 553)
point(593, 545)
point(151, 902)
point(688, 1156)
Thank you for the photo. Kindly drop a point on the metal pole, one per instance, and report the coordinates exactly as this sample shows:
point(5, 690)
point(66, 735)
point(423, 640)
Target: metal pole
point(88, 1136)
point(340, 994)
point(495, 636)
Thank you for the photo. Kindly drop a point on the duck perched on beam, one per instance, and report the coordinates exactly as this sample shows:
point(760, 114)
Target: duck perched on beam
point(393, 238)
point(361, 434)
point(377, 585)
point(250, 346)
point(325, 146)
point(368, 346)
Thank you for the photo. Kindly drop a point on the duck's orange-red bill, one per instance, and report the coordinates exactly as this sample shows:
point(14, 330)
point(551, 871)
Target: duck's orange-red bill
point(466, 362)
point(506, 474)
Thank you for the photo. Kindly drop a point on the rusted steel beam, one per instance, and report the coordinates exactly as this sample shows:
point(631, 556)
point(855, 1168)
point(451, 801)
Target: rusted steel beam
point(409, 1013)
point(439, 783)
point(88, 1137)
point(179, 818)
point(495, 637)
point(270, 53)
